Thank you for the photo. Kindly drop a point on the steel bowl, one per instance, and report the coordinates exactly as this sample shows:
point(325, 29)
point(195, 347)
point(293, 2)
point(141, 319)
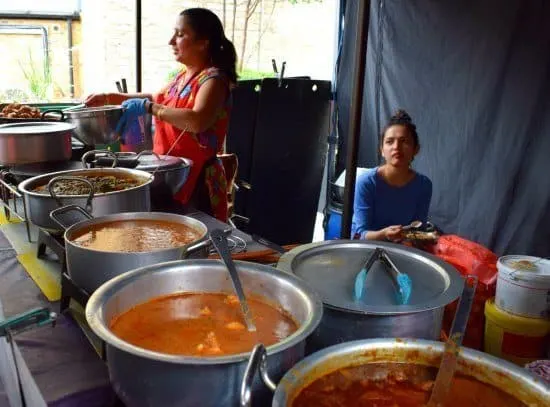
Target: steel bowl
point(95, 125)
point(145, 378)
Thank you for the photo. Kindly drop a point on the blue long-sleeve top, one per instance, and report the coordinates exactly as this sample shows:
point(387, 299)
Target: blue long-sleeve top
point(378, 205)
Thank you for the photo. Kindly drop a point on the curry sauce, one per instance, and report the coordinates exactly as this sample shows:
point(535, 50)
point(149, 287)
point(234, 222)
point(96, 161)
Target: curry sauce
point(140, 235)
point(404, 386)
point(201, 324)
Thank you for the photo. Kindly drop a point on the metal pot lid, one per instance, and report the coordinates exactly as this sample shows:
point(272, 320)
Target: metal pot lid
point(150, 162)
point(38, 128)
point(331, 267)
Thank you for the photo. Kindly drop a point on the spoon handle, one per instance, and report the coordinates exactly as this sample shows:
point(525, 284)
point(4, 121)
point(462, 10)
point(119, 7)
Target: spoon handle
point(219, 241)
point(448, 364)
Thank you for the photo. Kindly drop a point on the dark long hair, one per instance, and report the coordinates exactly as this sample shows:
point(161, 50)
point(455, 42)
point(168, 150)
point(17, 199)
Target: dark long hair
point(402, 118)
point(207, 26)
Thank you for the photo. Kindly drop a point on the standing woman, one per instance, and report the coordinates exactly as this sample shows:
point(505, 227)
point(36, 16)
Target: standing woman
point(192, 112)
point(392, 195)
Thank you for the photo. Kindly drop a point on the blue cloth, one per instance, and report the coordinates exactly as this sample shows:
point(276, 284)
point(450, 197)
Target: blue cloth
point(378, 205)
point(131, 125)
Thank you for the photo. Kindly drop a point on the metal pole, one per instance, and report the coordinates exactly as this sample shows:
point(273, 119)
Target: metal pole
point(70, 46)
point(356, 108)
point(138, 46)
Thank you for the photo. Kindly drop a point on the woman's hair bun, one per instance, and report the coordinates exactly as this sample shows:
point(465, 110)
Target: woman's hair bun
point(401, 117)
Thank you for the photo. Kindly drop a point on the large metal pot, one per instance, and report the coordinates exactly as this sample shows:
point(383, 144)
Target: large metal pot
point(39, 205)
point(35, 142)
point(94, 125)
point(89, 268)
point(331, 268)
point(509, 378)
point(145, 378)
point(170, 172)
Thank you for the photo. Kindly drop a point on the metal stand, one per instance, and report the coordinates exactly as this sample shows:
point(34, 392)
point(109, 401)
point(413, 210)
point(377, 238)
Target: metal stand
point(54, 243)
point(9, 192)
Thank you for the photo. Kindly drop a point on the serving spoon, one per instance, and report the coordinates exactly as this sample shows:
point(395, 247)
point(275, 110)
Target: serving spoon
point(447, 368)
point(219, 241)
point(413, 225)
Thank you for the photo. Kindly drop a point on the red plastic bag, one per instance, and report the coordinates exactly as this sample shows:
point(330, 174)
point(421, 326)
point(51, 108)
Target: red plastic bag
point(469, 258)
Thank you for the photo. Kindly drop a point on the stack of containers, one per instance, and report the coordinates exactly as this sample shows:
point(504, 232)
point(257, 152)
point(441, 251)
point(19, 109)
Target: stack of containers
point(517, 324)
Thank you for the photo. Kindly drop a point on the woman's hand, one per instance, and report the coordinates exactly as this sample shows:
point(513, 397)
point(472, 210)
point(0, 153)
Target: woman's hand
point(392, 233)
point(96, 99)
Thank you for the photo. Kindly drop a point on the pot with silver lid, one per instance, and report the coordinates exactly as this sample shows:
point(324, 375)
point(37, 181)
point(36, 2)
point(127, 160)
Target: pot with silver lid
point(35, 142)
point(331, 268)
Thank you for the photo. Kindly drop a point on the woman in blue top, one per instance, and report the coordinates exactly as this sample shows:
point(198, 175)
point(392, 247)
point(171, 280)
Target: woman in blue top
point(392, 195)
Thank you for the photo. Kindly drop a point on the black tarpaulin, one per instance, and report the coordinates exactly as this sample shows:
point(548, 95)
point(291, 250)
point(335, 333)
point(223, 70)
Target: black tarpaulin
point(475, 77)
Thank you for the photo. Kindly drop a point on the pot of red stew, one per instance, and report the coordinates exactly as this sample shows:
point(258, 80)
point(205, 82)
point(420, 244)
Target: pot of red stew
point(175, 335)
point(396, 372)
point(98, 249)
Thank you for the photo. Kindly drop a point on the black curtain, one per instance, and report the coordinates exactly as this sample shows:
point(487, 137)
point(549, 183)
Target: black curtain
point(475, 77)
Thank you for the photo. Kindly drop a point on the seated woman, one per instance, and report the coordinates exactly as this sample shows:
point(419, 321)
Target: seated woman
point(392, 195)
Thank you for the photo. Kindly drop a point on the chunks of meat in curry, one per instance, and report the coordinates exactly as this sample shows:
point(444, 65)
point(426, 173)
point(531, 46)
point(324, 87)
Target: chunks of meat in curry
point(201, 324)
point(397, 385)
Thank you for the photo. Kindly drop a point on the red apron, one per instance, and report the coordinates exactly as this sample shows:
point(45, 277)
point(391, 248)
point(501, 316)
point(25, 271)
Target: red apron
point(202, 147)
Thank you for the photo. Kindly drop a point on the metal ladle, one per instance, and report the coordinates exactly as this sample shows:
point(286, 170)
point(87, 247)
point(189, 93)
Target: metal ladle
point(449, 359)
point(219, 241)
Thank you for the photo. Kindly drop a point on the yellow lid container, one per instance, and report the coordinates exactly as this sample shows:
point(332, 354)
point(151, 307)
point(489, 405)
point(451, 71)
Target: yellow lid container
point(517, 339)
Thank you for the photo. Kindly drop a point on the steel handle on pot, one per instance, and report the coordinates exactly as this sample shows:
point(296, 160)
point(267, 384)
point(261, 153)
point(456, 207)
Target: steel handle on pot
point(55, 180)
point(55, 214)
point(85, 156)
point(60, 112)
point(201, 245)
point(257, 362)
point(148, 152)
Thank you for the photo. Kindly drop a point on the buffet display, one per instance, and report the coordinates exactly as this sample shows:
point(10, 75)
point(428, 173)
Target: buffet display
point(175, 333)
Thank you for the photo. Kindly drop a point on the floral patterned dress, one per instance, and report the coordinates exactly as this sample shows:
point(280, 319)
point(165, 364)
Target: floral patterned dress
point(202, 147)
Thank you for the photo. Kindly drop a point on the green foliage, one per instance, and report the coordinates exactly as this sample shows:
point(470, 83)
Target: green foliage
point(13, 95)
point(304, 1)
point(39, 79)
point(245, 74)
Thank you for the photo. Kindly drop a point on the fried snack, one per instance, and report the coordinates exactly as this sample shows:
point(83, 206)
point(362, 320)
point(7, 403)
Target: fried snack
point(18, 111)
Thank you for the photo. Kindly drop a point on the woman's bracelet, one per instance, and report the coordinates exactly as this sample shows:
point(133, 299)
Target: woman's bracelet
point(160, 112)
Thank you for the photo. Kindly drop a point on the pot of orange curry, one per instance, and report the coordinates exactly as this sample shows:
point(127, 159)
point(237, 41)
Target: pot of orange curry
point(175, 335)
point(98, 249)
point(395, 372)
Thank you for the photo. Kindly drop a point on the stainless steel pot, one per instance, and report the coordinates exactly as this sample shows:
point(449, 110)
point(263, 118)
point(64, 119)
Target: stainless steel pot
point(94, 125)
point(89, 268)
point(331, 268)
point(170, 172)
point(145, 378)
point(35, 142)
point(509, 378)
point(39, 205)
